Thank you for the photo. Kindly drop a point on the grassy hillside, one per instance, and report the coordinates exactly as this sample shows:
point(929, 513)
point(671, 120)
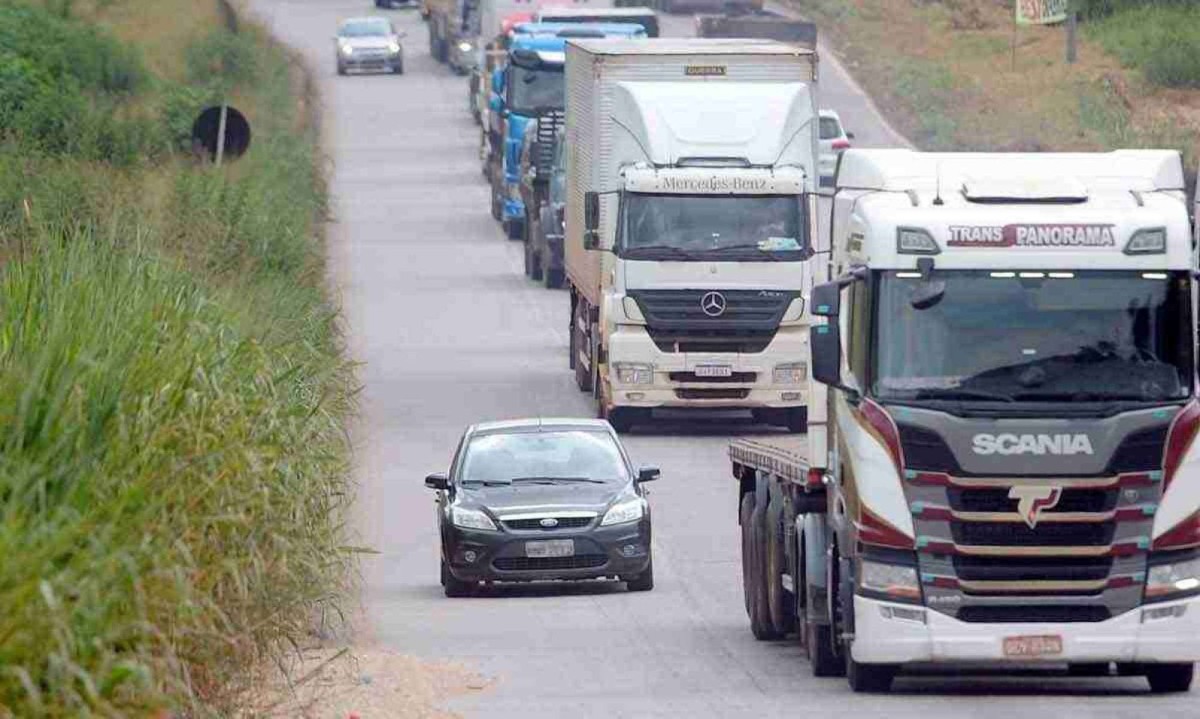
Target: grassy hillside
point(172, 388)
point(954, 74)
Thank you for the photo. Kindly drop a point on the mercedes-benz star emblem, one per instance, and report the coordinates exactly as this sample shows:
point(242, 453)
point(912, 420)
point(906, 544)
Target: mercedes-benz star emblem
point(549, 522)
point(713, 304)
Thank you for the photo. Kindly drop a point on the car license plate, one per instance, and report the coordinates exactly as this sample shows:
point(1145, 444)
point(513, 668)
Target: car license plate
point(1033, 646)
point(551, 548)
point(714, 370)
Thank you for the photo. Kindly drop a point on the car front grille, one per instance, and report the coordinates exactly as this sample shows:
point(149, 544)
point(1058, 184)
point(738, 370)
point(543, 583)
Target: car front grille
point(539, 564)
point(536, 523)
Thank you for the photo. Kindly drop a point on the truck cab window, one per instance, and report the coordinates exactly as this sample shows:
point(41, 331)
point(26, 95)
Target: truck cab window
point(708, 227)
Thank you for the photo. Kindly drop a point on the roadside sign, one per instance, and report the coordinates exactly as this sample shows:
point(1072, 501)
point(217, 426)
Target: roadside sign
point(1041, 12)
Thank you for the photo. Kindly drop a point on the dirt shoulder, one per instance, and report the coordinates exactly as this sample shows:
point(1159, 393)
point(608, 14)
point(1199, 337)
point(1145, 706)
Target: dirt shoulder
point(954, 75)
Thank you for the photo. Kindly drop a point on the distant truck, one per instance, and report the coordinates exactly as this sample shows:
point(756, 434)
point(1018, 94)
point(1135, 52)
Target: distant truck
point(530, 85)
point(1001, 464)
point(546, 227)
point(691, 173)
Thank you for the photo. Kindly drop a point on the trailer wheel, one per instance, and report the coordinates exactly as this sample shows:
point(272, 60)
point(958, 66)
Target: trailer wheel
point(818, 642)
point(1170, 678)
point(760, 608)
point(571, 335)
point(583, 373)
point(745, 510)
point(782, 608)
point(533, 265)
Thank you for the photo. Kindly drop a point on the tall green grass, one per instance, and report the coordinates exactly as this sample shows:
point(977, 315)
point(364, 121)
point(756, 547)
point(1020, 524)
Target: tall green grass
point(172, 402)
point(1162, 40)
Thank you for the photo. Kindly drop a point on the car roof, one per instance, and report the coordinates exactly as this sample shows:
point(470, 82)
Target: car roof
point(829, 113)
point(541, 424)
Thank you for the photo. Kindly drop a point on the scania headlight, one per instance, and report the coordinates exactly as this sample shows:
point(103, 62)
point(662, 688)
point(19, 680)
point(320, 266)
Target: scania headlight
point(790, 373)
point(892, 580)
point(1173, 579)
point(393, 47)
point(471, 519)
point(634, 373)
point(1147, 242)
point(629, 511)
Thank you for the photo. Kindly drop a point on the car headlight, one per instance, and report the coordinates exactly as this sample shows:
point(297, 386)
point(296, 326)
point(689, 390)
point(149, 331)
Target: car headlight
point(471, 519)
point(1173, 579)
point(393, 47)
point(629, 511)
point(892, 580)
point(634, 373)
point(464, 46)
point(347, 50)
point(790, 373)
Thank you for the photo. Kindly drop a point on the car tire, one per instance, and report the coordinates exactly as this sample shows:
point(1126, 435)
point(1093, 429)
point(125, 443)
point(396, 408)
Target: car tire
point(454, 587)
point(1172, 678)
point(399, 68)
point(643, 582)
point(797, 420)
point(869, 678)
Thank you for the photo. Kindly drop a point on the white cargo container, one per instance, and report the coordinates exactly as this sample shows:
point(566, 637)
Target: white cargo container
point(706, 148)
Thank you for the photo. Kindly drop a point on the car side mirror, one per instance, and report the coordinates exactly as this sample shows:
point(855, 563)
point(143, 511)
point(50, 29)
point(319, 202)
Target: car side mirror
point(437, 481)
point(826, 300)
point(648, 474)
point(591, 221)
point(849, 135)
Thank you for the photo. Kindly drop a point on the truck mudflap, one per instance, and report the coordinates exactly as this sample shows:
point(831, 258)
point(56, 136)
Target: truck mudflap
point(761, 25)
point(891, 633)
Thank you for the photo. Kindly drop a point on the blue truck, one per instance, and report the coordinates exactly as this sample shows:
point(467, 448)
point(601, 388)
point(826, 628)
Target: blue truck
point(529, 86)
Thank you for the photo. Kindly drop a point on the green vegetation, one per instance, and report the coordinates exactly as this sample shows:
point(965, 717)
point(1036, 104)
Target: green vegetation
point(1161, 39)
point(172, 389)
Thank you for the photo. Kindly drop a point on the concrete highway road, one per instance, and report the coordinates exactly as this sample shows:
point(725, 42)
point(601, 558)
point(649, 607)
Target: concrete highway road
point(450, 333)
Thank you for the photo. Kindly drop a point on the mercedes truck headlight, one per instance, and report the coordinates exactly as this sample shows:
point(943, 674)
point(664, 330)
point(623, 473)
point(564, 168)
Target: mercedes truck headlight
point(891, 580)
point(471, 519)
point(790, 373)
point(629, 511)
point(1174, 579)
point(394, 47)
point(634, 373)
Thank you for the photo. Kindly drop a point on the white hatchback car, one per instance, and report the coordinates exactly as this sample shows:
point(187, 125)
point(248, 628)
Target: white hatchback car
point(834, 140)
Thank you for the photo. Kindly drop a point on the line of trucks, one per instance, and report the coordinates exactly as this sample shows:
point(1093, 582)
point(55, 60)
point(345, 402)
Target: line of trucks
point(987, 362)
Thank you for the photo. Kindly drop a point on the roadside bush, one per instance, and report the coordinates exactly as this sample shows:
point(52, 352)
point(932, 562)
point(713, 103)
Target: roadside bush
point(69, 49)
point(1162, 40)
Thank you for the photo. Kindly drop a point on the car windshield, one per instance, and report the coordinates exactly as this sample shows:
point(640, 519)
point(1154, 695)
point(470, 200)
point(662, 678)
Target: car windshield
point(366, 28)
point(553, 456)
point(534, 90)
point(830, 128)
point(712, 227)
point(1035, 337)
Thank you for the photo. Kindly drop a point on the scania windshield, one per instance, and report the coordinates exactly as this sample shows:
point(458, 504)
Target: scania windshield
point(534, 90)
point(1016, 337)
point(729, 228)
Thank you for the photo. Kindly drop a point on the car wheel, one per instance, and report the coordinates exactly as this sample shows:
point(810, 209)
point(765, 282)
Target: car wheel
point(453, 586)
point(1170, 678)
point(797, 420)
point(399, 69)
point(643, 582)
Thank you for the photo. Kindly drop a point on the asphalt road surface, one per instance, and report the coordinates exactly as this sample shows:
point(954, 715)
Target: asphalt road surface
point(451, 333)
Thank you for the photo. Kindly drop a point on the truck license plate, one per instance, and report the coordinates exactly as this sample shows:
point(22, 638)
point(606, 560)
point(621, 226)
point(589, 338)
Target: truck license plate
point(714, 370)
point(551, 548)
point(1033, 646)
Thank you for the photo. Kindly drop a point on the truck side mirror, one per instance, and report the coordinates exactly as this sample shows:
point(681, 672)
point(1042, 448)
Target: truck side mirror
point(825, 343)
point(826, 300)
point(591, 221)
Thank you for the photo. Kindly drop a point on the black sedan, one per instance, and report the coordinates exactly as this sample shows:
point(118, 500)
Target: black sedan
point(542, 499)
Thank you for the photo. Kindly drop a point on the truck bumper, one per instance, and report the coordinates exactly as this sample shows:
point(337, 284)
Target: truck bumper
point(756, 389)
point(1147, 634)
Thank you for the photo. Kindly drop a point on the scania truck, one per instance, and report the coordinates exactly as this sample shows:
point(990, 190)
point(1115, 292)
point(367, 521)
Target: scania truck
point(691, 173)
point(1001, 464)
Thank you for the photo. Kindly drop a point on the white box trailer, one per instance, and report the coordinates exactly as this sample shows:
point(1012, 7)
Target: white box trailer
point(693, 125)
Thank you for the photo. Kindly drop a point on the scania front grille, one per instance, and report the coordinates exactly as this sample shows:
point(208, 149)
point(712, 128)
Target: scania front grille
point(997, 499)
point(735, 321)
point(1011, 569)
point(1045, 534)
point(1034, 613)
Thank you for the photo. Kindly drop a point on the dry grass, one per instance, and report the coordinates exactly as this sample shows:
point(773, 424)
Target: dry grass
point(161, 28)
point(946, 72)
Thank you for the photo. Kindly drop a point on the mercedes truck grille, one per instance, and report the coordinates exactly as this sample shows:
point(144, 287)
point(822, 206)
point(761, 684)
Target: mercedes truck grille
point(985, 555)
point(735, 321)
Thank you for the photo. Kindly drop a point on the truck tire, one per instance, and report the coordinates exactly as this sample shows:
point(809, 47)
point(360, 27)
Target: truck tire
point(571, 334)
point(1170, 678)
point(779, 602)
point(869, 678)
point(454, 587)
point(745, 510)
point(622, 419)
point(497, 200)
point(818, 642)
point(760, 611)
point(583, 374)
point(513, 229)
point(533, 266)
